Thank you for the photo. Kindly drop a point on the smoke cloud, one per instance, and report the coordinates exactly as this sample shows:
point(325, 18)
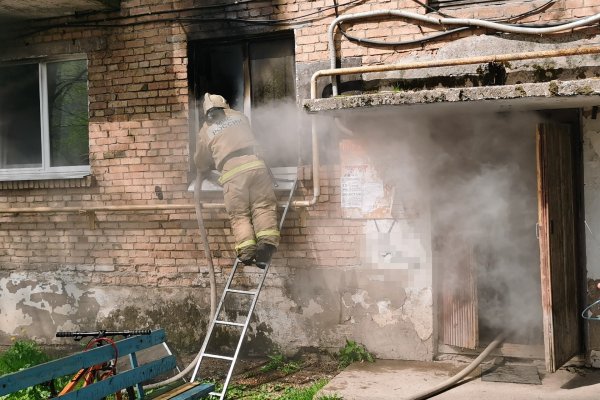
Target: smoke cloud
point(474, 176)
point(470, 176)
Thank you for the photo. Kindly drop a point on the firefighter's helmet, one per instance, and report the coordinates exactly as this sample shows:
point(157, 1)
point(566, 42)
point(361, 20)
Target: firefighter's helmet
point(213, 101)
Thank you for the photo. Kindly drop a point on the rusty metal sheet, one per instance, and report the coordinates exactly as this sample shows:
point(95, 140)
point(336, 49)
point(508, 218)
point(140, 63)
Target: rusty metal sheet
point(364, 195)
point(460, 324)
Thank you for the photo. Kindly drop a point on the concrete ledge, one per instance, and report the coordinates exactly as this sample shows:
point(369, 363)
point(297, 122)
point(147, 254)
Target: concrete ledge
point(546, 94)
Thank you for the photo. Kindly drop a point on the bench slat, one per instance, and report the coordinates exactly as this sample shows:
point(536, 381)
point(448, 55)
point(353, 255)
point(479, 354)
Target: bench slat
point(197, 392)
point(15, 381)
point(122, 380)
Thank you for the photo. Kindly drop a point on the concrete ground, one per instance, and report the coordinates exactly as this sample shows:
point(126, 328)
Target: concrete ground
point(386, 379)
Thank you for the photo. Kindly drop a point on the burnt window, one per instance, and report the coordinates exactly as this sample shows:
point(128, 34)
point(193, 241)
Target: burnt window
point(257, 77)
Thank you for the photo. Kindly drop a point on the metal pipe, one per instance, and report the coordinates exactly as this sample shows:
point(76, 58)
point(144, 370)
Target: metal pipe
point(150, 207)
point(450, 62)
point(316, 175)
point(83, 210)
point(509, 28)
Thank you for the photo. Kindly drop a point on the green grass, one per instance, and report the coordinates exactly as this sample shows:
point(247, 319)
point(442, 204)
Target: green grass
point(278, 392)
point(25, 354)
point(21, 355)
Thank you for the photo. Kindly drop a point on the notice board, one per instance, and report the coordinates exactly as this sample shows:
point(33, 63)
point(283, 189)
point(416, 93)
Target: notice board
point(363, 193)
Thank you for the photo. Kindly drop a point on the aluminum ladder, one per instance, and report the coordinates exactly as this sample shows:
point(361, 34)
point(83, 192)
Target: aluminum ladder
point(244, 326)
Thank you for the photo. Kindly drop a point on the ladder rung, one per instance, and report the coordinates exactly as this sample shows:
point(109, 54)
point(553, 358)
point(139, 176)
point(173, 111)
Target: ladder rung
point(240, 291)
point(218, 356)
point(229, 323)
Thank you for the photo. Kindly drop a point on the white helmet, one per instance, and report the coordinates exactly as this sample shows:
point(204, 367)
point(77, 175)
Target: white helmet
point(213, 101)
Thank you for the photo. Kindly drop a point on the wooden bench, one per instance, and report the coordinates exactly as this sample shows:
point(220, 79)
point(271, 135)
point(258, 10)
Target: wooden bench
point(133, 377)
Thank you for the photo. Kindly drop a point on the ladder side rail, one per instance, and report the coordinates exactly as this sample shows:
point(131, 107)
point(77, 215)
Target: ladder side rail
point(250, 311)
point(243, 333)
point(213, 319)
point(253, 304)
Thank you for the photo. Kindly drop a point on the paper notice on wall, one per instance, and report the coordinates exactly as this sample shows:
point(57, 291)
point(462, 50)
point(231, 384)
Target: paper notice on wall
point(351, 190)
point(363, 193)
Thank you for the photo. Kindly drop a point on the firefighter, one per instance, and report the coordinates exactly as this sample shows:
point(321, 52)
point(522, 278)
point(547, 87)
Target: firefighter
point(226, 143)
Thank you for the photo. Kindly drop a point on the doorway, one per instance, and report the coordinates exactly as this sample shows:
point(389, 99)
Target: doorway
point(499, 259)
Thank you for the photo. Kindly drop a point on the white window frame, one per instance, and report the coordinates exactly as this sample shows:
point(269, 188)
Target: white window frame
point(47, 172)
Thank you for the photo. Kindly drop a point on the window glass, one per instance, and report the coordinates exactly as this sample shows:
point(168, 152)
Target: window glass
point(44, 122)
point(20, 128)
point(68, 113)
point(271, 71)
point(274, 112)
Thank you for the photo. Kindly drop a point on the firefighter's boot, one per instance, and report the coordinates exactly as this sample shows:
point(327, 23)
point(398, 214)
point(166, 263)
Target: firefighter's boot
point(264, 253)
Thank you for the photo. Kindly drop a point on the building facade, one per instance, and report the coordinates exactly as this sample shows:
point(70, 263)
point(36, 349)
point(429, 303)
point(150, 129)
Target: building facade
point(443, 189)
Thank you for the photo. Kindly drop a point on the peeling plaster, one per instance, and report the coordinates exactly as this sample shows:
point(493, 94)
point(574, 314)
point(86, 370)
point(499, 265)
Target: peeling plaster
point(313, 309)
point(595, 358)
point(386, 316)
point(360, 298)
point(418, 310)
point(594, 138)
point(38, 304)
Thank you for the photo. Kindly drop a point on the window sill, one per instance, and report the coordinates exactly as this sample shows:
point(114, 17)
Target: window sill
point(283, 176)
point(47, 182)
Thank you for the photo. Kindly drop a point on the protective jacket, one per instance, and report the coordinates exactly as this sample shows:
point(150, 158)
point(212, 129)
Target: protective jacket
point(229, 146)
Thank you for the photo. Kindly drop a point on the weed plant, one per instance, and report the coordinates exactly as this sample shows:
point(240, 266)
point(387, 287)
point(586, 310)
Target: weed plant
point(353, 352)
point(280, 363)
point(21, 355)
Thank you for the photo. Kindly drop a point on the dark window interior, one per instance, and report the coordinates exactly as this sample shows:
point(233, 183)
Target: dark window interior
point(20, 131)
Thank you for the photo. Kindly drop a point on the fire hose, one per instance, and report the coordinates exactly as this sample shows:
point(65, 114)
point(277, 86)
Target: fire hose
point(211, 274)
point(447, 384)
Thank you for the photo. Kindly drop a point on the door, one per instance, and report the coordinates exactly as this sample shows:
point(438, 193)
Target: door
point(557, 238)
point(459, 320)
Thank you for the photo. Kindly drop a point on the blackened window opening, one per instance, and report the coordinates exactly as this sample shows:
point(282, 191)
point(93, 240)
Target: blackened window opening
point(257, 77)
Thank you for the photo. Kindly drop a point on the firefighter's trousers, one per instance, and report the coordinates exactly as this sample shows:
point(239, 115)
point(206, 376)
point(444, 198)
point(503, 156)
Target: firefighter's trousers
point(251, 204)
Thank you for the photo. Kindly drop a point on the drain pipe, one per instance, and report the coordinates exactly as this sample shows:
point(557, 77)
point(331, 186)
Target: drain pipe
point(447, 384)
point(316, 174)
point(576, 51)
point(479, 23)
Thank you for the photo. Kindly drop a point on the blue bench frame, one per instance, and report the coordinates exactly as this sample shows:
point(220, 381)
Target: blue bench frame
point(38, 374)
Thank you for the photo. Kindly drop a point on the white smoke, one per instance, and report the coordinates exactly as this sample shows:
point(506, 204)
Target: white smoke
point(475, 176)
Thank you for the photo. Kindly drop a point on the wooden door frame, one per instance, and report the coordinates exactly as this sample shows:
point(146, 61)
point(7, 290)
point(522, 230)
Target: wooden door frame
point(574, 118)
point(552, 339)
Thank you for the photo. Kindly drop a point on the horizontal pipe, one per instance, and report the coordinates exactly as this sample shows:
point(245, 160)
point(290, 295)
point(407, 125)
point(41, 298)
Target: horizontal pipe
point(125, 208)
point(442, 21)
point(86, 209)
point(450, 62)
